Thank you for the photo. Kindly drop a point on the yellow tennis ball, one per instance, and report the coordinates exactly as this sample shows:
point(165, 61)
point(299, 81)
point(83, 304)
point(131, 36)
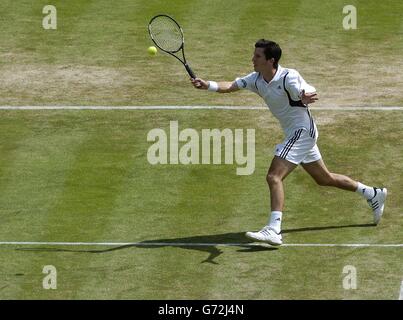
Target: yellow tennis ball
point(152, 51)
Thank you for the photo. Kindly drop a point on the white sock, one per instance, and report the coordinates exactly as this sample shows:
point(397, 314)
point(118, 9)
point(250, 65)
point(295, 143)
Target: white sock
point(275, 221)
point(365, 191)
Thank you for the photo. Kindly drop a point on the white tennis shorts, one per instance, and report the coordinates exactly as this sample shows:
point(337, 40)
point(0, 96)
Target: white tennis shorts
point(298, 148)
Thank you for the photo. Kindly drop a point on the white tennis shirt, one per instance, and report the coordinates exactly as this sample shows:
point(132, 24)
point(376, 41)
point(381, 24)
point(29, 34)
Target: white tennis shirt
point(283, 97)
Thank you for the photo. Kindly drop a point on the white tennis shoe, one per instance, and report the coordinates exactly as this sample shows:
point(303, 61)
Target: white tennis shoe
point(377, 203)
point(267, 235)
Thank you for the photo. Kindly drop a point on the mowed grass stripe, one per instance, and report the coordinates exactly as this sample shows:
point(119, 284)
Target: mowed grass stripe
point(13, 134)
point(138, 206)
point(93, 179)
point(34, 173)
point(34, 180)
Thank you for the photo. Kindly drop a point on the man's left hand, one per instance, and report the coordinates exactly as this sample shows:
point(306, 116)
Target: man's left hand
point(308, 98)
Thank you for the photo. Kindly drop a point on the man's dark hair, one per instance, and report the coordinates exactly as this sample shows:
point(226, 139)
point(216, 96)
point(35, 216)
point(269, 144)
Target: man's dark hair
point(271, 50)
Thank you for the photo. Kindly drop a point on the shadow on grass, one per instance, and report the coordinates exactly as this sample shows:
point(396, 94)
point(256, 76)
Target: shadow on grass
point(329, 227)
point(205, 243)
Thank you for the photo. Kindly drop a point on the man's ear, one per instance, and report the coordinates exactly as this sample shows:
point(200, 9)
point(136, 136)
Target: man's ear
point(271, 60)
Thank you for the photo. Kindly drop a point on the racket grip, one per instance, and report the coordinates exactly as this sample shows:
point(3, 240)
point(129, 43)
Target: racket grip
point(190, 71)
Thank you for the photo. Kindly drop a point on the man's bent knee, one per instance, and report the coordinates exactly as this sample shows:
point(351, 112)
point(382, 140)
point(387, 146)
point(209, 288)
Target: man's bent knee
point(273, 178)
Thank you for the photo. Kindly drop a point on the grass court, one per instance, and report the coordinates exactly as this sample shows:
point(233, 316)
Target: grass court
point(83, 175)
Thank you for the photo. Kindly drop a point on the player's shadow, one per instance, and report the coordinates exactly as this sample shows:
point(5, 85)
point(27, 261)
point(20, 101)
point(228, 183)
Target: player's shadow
point(329, 227)
point(206, 243)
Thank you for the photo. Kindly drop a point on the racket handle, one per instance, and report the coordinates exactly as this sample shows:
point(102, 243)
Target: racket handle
point(190, 71)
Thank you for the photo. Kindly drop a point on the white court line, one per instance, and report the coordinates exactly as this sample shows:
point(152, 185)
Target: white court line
point(401, 291)
point(333, 108)
point(190, 244)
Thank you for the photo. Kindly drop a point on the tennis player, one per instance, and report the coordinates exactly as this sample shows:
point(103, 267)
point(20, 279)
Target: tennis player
point(288, 95)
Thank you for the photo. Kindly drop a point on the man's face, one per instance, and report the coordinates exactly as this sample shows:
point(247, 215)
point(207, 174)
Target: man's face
point(259, 61)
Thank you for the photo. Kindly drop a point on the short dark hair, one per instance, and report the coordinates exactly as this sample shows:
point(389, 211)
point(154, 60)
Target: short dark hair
point(271, 50)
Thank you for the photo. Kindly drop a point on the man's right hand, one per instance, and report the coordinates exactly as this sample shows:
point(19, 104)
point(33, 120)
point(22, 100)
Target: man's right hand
point(199, 83)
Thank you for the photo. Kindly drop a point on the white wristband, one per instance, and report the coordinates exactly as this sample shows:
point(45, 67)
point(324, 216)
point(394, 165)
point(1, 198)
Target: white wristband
point(212, 86)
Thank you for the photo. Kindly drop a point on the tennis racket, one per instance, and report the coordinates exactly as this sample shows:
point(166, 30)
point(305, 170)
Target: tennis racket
point(167, 35)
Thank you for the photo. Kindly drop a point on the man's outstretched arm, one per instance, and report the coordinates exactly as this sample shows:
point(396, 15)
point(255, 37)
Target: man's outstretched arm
point(221, 87)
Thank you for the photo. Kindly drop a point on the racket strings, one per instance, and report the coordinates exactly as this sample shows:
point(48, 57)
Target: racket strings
point(167, 34)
